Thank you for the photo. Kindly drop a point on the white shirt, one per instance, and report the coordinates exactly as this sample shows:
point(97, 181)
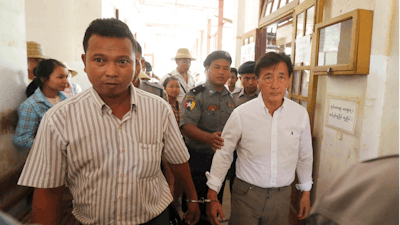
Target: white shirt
point(269, 149)
point(111, 166)
point(186, 86)
point(234, 90)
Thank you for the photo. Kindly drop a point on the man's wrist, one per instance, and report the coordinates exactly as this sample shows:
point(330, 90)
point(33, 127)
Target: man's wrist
point(212, 194)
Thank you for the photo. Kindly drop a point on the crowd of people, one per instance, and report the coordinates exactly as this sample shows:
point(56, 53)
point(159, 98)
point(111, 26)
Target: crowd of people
point(129, 149)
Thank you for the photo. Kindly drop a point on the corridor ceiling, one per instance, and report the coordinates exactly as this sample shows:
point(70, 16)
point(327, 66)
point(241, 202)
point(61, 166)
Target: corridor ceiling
point(176, 18)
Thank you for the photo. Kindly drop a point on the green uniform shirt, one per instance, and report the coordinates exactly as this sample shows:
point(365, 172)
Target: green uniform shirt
point(240, 97)
point(209, 110)
point(153, 88)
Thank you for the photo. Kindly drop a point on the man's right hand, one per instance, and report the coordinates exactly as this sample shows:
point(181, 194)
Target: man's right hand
point(215, 141)
point(192, 215)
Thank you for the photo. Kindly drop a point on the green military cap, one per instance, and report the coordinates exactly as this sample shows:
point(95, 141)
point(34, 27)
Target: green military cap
point(217, 55)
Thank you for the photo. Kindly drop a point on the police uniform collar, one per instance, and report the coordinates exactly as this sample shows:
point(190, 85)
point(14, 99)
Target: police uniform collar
point(211, 90)
point(102, 106)
point(255, 93)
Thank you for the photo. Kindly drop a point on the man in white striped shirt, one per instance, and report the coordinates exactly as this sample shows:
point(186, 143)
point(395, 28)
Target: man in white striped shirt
point(106, 143)
point(273, 140)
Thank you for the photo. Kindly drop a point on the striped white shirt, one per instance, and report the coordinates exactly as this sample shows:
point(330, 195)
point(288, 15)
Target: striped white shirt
point(111, 166)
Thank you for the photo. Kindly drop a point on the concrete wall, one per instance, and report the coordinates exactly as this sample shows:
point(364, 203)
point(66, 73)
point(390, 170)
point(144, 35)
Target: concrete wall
point(14, 78)
point(59, 26)
point(377, 126)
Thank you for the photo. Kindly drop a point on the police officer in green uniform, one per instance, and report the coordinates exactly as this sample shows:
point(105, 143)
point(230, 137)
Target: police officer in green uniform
point(152, 88)
point(249, 82)
point(140, 79)
point(205, 110)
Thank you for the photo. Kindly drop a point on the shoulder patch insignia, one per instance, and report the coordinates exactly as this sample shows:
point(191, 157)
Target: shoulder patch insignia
point(230, 105)
point(190, 104)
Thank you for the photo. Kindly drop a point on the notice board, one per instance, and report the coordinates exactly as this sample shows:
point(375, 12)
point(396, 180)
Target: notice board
point(342, 113)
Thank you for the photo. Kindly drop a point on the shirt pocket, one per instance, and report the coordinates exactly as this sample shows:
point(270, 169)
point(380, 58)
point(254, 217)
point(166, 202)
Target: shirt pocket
point(291, 141)
point(148, 159)
point(210, 119)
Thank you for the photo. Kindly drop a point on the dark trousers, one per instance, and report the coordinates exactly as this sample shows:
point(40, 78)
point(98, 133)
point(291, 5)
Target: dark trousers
point(200, 180)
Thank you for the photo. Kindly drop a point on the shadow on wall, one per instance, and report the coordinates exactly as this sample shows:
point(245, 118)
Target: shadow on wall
point(10, 157)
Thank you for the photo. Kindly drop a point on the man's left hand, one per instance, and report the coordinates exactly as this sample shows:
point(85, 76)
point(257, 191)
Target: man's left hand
point(192, 215)
point(305, 205)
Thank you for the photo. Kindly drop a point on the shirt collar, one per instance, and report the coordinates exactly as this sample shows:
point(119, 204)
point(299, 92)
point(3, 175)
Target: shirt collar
point(102, 106)
point(176, 73)
point(40, 97)
point(241, 93)
point(282, 107)
point(211, 90)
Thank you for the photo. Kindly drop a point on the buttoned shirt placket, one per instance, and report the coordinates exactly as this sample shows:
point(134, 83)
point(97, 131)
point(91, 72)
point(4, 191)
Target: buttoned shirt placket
point(121, 167)
point(274, 145)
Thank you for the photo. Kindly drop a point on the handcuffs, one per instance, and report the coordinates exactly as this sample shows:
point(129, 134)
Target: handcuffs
point(201, 200)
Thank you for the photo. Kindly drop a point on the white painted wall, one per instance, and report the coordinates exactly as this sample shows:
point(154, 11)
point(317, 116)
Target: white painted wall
point(247, 20)
point(377, 127)
point(59, 26)
point(14, 78)
point(13, 61)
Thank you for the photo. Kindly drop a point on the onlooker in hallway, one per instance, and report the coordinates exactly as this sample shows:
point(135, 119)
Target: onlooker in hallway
point(183, 61)
point(231, 83)
point(35, 54)
point(272, 137)
point(106, 143)
point(205, 110)
point(249, 82)
point(141, 79)
point(51, 78)
point(149, 72)
point(172, 87)
point(367, 193)
point(72, 88)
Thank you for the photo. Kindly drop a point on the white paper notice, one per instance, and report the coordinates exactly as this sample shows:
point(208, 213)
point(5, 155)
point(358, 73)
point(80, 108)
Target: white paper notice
point(248, 52)
point(342, 114)
point(331, 37)
point(303, 49)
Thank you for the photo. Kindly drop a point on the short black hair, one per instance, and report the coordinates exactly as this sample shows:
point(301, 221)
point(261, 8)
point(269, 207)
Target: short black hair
point(234, 70)
point(138, 48)
point(148, 66)
point(272, 59)
point(166, 81)
point(112, 28)
point(44, 69)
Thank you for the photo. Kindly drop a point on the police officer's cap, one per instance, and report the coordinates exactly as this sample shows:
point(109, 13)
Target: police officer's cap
point(217, 55)
point(247, 67)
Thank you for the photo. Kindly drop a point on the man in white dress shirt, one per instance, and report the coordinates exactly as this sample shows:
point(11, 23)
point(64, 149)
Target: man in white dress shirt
point(273, 140)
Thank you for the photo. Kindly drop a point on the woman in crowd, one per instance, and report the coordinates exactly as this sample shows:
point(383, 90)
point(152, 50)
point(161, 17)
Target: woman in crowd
point(51, 78)
point(72, 88)
point(172, 87)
